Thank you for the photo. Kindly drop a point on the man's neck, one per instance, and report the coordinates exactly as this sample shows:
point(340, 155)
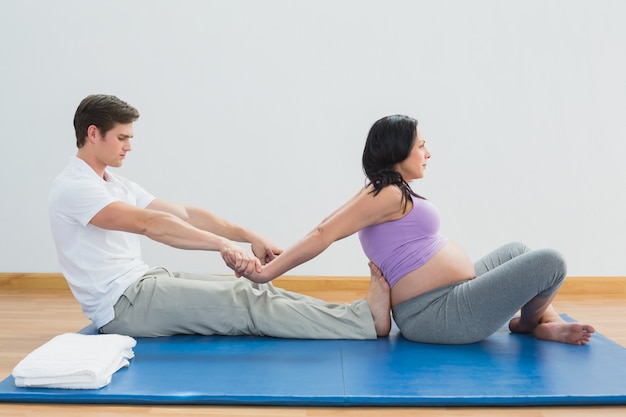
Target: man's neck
point(98, 167)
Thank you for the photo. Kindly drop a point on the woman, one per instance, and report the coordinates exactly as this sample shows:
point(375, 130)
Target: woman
point(437, 294)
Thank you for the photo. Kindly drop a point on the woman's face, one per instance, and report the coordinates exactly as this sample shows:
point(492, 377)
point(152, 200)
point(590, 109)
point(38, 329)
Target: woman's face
point(414, 165)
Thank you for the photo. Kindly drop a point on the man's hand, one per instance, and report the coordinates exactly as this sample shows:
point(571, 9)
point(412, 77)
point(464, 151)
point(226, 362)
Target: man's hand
point(240, 261)
point(265, 251)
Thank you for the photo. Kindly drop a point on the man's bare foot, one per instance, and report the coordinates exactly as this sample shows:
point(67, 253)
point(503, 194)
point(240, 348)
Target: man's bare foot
point(556, 331)
point(572, 333)
point(379, 301)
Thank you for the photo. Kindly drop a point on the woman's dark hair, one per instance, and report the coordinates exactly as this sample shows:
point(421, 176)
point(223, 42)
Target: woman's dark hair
point(389, 142)
point(102, 111)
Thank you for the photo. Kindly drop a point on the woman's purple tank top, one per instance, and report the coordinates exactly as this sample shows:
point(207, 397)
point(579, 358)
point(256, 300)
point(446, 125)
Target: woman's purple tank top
point(400, 246)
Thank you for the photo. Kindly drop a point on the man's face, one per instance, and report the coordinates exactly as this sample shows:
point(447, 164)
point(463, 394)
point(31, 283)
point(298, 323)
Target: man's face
point(112, 147)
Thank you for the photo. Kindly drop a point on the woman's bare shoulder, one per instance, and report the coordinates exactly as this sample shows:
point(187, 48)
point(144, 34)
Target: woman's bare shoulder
point(389, 194)
point(387, 202)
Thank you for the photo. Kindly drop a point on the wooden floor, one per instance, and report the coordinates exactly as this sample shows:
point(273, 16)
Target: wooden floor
point(32, 314)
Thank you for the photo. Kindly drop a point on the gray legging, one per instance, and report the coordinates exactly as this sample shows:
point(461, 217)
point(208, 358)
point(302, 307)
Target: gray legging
point(469, 311)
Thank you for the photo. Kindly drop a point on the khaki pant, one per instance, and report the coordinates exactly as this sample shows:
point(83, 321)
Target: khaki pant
point(164, 304)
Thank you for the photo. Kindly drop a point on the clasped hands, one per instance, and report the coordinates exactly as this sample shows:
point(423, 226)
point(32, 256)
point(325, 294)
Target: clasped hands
point(246, 264)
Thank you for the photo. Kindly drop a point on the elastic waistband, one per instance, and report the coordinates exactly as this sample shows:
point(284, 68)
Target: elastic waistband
point(417, 304)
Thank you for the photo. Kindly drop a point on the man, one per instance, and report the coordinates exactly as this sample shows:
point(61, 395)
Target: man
point(97, 216)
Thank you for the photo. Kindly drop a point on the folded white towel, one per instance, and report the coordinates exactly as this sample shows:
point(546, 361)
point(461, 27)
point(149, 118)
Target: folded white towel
point(75, 361)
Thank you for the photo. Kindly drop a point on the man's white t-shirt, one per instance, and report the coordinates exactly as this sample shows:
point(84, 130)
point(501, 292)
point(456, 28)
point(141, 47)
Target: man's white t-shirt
point(99, 264)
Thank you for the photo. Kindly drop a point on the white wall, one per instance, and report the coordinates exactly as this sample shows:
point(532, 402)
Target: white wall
point(258, 110)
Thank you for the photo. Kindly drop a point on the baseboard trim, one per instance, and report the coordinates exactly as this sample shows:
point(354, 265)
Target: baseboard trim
point(34, 280)
point(573, 285)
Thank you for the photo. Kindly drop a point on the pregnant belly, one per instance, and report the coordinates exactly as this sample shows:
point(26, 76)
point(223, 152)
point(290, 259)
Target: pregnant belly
point(451, 264)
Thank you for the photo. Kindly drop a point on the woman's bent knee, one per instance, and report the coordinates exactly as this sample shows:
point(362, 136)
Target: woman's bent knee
point(517, 248)
point(551, 264)
point(553, 260)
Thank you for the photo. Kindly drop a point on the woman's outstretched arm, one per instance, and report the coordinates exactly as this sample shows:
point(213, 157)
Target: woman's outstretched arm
point(363, 210)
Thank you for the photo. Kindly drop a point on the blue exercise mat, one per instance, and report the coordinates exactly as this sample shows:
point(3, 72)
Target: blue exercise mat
point(503, 370)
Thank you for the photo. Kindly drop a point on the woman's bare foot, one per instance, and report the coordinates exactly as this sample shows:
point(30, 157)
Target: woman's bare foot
point(557, 330)
point(517, 326)
point(572, 333)
point(379, 301)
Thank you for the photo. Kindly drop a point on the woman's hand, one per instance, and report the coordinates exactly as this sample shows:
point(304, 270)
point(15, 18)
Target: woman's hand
point(258, 276)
